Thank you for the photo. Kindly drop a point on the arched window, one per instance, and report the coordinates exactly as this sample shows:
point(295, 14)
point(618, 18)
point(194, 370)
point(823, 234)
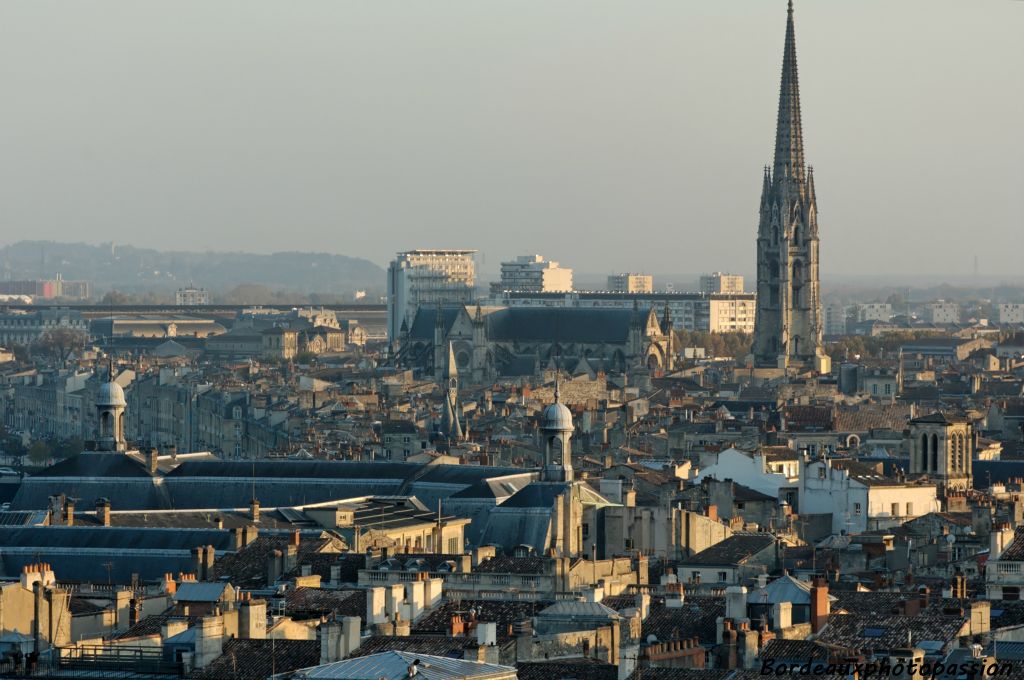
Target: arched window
point(922, 455)
point(935, 453)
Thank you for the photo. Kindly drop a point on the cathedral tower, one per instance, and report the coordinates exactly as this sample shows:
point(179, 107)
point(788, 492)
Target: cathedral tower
point(788, 323)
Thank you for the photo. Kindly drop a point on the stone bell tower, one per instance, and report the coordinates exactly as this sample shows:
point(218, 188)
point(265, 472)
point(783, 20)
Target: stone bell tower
point(788, 323)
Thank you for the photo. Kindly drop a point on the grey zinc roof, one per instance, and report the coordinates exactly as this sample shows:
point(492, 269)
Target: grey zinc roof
point(395, 666)
point(573, 608)
point(196, 591)
point(783, 589)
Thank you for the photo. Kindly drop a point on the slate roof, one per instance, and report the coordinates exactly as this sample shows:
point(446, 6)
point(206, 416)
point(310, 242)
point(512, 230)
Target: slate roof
point(81, 553)
point(195, 484)
point(95, 464)
point(245, 659)
point(732, 551)
point(536, 495)
point(559, 324)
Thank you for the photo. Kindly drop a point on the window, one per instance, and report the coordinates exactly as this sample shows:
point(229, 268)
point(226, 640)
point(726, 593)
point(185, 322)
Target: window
point(874, 389)
point(723, 576)
point(694, 576)
point(821, 472)
point(888, 388)
point(856, 509)
point(910, 509)
point(895, 511)
point(586, 530)
point(453, 546)
point(1011, 592)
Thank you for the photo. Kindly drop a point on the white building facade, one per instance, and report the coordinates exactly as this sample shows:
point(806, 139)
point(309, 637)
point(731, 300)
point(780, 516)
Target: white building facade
point(532, 273)
point(428, 277)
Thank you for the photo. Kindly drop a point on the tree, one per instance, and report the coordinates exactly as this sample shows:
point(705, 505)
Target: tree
point(60, 343)
point(39, 452)
point(115, 297)
point(68, 447)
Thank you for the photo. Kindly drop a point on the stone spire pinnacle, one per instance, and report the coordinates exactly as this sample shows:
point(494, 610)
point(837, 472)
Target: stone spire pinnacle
point(789, 138)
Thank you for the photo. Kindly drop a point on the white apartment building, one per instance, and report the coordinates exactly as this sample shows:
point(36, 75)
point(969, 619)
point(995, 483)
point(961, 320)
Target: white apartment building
point(631, 283)
point(427, 277)
point(718, 313)
point(835, 319)
point(1010, 313)
point(534, 274)
point(942, 312)
point(191, 297)
point(721, 283)
point(873, 311)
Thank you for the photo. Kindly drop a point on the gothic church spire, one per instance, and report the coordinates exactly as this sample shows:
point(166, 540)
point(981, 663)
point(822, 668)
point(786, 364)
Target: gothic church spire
point(789, 137)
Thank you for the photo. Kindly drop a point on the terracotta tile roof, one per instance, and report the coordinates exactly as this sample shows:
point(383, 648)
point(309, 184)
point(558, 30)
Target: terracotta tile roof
point(869, 631)
point(152, 625)
point(513, 565)
point(577, 669)
point(309, 603)
point(502, 612)
point(734, 550)
point(259, 659)
point(436, 645)
point(247, 568)
point(697, 617)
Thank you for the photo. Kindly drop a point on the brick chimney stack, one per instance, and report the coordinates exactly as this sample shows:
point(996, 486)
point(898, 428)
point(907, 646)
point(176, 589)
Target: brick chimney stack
point(820, 606)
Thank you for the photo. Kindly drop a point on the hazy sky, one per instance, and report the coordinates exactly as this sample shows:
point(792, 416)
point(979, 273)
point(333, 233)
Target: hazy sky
point(605, 134)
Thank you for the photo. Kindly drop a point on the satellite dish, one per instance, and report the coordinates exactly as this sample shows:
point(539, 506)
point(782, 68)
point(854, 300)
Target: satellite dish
point(950, 538)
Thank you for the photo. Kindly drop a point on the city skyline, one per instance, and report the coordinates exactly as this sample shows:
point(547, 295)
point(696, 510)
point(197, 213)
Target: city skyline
point(278, 161)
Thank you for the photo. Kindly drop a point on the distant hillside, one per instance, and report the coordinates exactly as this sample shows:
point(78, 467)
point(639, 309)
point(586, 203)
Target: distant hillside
point(129, 269)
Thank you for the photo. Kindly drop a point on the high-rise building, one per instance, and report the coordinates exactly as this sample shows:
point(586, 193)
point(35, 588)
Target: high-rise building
point(533, 274)
point(420, 277)
point(1010, 313)
point(721, 283)
point(788, 328)
point(630, 283)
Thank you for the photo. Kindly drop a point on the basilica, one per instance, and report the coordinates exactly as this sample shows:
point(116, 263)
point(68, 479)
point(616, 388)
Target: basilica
point(491, 342)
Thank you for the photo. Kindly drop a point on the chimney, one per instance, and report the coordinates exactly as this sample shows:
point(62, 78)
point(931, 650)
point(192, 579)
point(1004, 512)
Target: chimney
point(254, 510)
point(103, 511)
point(782, 615)
point(209, 557)
point(69, 512)
point(712, 512)
point(736, 603)
point(198, 558)
point(134, 611)
point(819, 604)
point(296, 537)
point(152, 461)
